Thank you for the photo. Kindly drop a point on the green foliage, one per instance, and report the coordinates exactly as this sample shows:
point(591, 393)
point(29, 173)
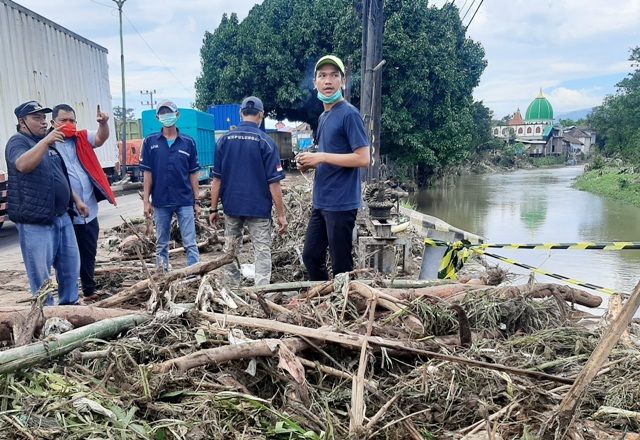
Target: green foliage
point(609, 182)
point(573, 122)
point(617, 120)
point(118, 114)
point(597, 162)
point(429, 118)
point(548, 161)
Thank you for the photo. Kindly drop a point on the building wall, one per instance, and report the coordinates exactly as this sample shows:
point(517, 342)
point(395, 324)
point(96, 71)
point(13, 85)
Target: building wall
point(43, 61)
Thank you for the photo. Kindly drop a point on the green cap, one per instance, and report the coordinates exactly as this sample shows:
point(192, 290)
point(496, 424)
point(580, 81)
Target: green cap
point(330, 59)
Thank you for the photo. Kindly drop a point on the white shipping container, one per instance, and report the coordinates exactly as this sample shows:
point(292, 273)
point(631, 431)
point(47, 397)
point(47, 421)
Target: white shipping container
point(43, 61)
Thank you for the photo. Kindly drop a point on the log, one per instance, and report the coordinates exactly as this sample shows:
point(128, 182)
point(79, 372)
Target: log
point(144, 285)
point(79, 316)
point(228, 353)
point(560, 422)
point(355, 342)
point(546, 290)
point(411, 321)
point(29, 355)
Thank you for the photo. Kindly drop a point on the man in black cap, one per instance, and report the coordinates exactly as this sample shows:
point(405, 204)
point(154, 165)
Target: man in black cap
point(247, 175)
point(39, 202)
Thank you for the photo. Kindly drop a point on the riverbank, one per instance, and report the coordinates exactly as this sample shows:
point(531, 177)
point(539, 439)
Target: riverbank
point(613, 183)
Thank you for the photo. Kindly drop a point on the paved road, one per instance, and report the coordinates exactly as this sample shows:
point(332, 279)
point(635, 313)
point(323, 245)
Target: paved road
point(129, 205)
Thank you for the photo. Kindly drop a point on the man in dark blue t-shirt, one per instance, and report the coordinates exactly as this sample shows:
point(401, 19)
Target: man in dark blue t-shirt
point(343, 148)
point(170, 164)
point(247, 175)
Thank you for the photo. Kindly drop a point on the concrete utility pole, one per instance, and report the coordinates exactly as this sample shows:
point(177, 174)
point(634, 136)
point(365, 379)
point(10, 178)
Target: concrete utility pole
point(123, 165)
point(371, 88)
point(150, 94)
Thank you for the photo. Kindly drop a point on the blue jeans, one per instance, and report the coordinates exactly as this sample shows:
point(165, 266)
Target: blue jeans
point(44, 246)
point(187, 224)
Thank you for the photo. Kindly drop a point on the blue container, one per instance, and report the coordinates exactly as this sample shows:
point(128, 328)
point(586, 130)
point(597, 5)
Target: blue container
point(199, 125)
point(226, 115)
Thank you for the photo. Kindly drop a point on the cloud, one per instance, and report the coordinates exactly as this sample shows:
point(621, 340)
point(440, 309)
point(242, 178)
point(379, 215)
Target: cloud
point(529, 44)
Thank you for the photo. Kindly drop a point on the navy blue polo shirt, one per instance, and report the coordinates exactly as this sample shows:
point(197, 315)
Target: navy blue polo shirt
point(341, 131)
point(171, 168)
point(246, 162)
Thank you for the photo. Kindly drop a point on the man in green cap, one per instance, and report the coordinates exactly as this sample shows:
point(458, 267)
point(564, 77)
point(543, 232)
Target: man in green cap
point(343, 148)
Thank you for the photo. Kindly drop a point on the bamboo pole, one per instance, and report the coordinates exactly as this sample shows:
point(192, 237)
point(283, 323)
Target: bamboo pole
point(29, 355)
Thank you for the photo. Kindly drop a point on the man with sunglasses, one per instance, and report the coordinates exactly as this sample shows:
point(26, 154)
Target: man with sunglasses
point(40, 202)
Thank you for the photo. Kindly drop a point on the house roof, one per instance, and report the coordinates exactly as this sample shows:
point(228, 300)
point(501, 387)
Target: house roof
point(567, 137)
point(517, 119)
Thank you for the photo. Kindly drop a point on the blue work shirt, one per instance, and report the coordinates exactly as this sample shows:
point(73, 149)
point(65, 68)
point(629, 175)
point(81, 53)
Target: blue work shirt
point(341, 131)
point(171, 168)
point(80, 181)
point(246, 162)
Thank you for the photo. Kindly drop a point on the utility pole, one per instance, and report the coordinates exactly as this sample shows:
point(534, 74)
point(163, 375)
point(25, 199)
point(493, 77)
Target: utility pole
point(371, 65)
point(124, 100)
point(150, 94)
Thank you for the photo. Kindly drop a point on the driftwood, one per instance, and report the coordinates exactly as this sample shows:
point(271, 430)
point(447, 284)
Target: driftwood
point(228, 353)
point(79, 316)
point(29, 355)
point(144, 285)
point(567, 293)
point(412, 322)
point(561, 421)
point(356, 342)
point(457, 290)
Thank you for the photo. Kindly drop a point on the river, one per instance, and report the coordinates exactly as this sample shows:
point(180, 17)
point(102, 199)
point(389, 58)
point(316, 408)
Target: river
point(532, 206)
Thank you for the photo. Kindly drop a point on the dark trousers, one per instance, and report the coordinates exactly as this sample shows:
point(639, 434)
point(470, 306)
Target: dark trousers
point(87, 238)
point(332, 229)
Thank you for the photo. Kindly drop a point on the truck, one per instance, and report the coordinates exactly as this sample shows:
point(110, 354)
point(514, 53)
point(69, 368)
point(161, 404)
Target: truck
point(46, 62)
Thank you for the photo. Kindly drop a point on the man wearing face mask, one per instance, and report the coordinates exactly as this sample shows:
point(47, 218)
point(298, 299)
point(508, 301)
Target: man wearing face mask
point(247, 174)
point(40, 201)
point(170, 163)
point(88, 181)
point(343, 148)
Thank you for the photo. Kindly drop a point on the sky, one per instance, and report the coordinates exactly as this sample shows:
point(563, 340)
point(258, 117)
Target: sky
point(575, 50)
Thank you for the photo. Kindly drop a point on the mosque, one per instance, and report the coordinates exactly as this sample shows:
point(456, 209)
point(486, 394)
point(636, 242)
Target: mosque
point(536, 131)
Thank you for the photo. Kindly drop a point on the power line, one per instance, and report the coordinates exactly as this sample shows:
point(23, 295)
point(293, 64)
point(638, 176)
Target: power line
point(473, 16)
point(470, 6)
point(157, 56)
point(102, 4)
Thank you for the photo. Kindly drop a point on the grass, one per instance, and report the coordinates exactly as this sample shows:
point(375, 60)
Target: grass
point(548, 161)
point(612, 184)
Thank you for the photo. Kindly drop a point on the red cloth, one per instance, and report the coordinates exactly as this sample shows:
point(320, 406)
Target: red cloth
point(89, 160)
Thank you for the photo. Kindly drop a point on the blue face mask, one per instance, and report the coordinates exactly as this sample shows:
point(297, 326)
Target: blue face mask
point(330, 99)
point(168, 119)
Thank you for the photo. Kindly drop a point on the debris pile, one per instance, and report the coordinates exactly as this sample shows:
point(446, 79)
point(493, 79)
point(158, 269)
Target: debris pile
point(350, 358)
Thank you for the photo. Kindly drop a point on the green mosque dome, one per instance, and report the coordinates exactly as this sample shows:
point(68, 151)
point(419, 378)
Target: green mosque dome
point(539, 110)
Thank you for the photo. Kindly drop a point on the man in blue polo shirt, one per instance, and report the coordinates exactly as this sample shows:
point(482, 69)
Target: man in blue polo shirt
point(247, 174)
point(343, 148)
point(170, 163)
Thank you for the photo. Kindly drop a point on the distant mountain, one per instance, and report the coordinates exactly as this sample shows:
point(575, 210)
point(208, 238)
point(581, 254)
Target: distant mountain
point(575, 115)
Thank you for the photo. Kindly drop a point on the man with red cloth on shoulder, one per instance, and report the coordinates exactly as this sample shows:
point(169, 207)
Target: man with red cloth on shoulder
point(87, 180)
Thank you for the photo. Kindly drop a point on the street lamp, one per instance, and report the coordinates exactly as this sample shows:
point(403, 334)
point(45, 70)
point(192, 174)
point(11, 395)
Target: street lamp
point(124, 101)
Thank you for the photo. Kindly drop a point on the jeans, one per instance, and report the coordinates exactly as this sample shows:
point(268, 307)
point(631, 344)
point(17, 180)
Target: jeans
point(332, 229)
point(187, 224)
point(260, 231)
point(87, 238)
point(44, 246)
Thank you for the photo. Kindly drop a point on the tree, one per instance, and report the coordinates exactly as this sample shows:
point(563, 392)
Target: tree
point(617, 120)
point(429, 118)
point(118, 114)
